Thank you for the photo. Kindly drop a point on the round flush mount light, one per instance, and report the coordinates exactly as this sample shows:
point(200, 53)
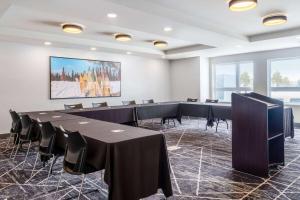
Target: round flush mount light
point(242, 5)
point(121, 37)
point(93, 48)
point(128, 53)
point(274, 19)
point(112, 15)
point(72, 28)
point(160, 44)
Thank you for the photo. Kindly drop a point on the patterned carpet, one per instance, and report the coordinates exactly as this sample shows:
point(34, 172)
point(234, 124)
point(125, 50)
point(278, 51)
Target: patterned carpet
point(200, 169)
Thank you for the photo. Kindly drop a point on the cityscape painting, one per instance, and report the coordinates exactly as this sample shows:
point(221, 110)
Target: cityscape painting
point(81, 78)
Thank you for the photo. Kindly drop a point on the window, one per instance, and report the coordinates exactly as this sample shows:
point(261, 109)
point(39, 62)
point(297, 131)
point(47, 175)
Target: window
point(233, 77)
point(284, 79)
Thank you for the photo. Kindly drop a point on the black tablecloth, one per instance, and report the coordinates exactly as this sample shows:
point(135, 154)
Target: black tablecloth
point(130, 113)
point(213, 111)
point(135, 160)
point(158, 110)
point(116, 114)
point(45, 116)
point(288, 122)
point(210, 111)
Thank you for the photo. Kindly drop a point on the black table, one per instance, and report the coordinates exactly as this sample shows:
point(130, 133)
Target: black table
point(51, 116)
point(135, 160)
point(213, 111)
point(164, 111)
point(210, 111)
point(288, 122)
point(116, 114)
point(131, 113)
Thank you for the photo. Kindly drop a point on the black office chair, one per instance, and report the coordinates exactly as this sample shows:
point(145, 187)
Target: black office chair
point(28, 134)
point(15, 130)
point(191, 100)
point(47, 148)
point(218, 119)
point(98, 105)
point(73, 106)
point(127, 103)
point(75, 157)
point(148, 101)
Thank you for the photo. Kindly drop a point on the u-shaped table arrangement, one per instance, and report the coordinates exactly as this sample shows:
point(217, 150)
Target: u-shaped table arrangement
point(135, 159)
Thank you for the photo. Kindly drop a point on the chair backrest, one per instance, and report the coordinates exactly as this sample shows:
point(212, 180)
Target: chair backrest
point(27, 127)
point(191, 100)
point(73, 106)
point(126, 103)
point(75, 153)
point(211, 100)
point(148, 101)
point(48, 135)
point(98, 105)
point(16, 125)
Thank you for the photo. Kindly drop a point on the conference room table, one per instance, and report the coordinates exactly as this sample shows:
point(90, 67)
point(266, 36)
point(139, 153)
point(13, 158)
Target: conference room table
point(288, 122)
point(51, 116)
point(174, 110)
point(135, 160)
point(210, 111)
point(130, 113)
point(213, 111)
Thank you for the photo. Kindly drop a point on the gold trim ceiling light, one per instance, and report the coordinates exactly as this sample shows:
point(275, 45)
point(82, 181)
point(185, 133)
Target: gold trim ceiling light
point(274, 19)
point(160, 44)
point(121, 37)
point(242, 5)
point(72, 28)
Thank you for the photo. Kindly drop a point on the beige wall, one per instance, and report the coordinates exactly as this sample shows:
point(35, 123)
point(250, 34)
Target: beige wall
point(185, 78)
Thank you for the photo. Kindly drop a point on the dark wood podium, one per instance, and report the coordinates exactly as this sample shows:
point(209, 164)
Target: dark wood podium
point(257, 133)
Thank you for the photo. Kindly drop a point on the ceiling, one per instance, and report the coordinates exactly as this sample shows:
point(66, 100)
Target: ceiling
point(200, 27)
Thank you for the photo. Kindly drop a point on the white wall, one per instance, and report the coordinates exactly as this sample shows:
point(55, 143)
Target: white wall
point(24, 79)
point(185, 78)
point(204, 79)
point(260, 60)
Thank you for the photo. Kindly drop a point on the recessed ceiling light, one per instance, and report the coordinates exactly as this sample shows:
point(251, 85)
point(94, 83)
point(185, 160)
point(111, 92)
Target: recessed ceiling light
point(242, 5)
point(160, 44)
point(238, 46)
point(93, 48)
point(47, 43)
point(117, 130)
point(72, 28)
point(122, 37)
point(128, 52)
point(112, 15)
point(274, 19)
point(168, 29)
